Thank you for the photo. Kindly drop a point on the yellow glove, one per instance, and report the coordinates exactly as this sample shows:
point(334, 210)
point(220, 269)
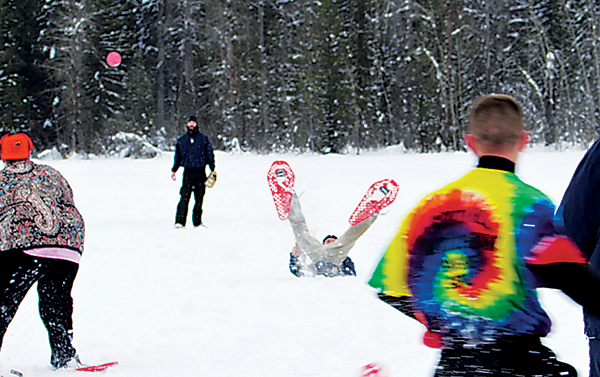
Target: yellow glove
point(210, 181)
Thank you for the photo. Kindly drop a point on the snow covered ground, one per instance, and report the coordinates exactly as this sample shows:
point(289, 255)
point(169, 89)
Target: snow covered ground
point(220, 301)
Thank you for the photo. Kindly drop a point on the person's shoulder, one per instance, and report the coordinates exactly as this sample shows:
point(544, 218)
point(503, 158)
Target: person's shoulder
point(445, 189)
point(20, 168)
point(594, 150)
point(204, 136)
point(47, 170)
point(452, 192)
point(38, 166)
point(529, 190)
point(539, 197)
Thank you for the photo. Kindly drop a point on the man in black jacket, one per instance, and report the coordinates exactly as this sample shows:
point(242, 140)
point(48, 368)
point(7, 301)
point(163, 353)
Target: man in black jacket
point(580, 211)
point(193, 151)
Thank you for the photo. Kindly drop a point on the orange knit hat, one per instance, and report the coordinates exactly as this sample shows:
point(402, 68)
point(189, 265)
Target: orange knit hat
point(15, 147)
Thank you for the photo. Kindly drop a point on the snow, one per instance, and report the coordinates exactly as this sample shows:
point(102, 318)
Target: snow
point(220, 301)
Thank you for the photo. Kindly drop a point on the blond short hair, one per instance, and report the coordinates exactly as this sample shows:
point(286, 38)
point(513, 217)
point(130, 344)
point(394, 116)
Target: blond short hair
point(496, 121)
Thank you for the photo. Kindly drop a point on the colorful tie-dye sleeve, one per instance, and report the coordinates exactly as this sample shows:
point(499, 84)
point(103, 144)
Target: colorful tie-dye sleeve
point(390, 275)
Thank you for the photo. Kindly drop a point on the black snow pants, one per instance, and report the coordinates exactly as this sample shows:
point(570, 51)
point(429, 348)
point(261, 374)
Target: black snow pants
point(522, 356)
point(594, 345)
point(193, 181)
point(55, 277)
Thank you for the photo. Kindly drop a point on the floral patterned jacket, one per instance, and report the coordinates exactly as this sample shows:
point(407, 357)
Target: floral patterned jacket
point(37, 211)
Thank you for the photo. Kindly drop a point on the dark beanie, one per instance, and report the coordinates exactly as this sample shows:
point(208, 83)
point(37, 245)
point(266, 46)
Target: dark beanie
point(193, 118)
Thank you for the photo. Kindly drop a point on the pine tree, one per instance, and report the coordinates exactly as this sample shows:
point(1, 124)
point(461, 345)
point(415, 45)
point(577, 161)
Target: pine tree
point(67, 38)
point(23, 98)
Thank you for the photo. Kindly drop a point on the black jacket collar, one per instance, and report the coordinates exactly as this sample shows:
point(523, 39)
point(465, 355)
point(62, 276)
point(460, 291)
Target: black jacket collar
point(496, 163)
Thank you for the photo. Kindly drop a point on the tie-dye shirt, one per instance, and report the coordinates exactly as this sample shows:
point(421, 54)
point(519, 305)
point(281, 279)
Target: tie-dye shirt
point(462, 256)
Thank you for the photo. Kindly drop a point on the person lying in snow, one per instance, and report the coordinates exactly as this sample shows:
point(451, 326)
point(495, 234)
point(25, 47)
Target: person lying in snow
point(309, 257)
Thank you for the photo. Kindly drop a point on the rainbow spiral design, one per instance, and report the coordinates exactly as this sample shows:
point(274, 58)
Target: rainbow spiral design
point(461, 255)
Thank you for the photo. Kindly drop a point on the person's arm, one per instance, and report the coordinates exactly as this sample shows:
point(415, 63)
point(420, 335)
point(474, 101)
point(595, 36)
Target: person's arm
point(66, 189)
point(557, 263)
point(576, 280)
point(176, 159)
point(295, 266)
point(210, 155)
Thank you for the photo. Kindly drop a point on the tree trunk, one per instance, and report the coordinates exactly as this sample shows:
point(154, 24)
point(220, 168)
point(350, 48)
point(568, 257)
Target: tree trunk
point(160, 66)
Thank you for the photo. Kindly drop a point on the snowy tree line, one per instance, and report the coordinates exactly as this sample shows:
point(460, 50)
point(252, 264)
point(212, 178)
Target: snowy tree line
point(271, 75)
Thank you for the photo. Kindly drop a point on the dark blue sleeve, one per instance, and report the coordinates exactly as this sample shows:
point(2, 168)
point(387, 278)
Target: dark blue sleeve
point(177, 158)
point(210, 156)
point(295, 267)
point(576, 280)
point(579, 210)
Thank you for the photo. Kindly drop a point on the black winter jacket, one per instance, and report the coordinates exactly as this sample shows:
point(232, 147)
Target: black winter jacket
point(193, 151)
point(580, 211)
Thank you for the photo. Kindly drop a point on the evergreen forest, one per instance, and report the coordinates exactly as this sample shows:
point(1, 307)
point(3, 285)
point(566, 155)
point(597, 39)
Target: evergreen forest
point(328, 76)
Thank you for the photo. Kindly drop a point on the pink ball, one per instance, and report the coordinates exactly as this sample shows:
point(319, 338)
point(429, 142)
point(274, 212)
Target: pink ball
point(113, 59)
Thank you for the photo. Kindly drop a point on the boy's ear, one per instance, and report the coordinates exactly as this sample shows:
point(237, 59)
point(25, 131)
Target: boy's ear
point(471, 143)
point(524, 140)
